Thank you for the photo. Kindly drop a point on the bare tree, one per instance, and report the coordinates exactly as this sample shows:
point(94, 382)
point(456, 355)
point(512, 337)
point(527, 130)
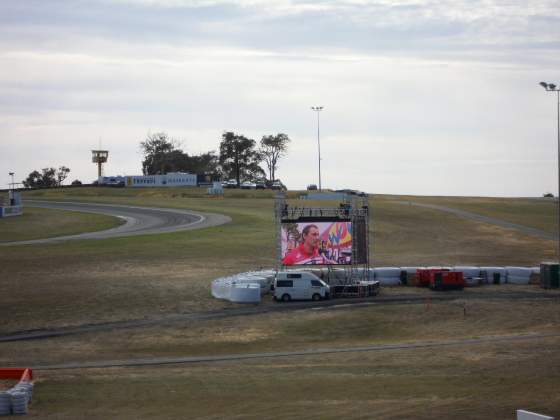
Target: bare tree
point(272, 148)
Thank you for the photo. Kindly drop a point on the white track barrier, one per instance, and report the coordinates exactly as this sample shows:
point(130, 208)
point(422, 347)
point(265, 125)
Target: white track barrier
point(518, 275)
point(223, 288)
point(489, 272)
point(468, 272)
point(388, 276)
point(245, 293)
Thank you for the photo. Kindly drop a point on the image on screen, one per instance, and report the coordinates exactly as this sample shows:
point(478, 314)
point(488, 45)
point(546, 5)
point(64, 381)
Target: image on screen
point(320, 243)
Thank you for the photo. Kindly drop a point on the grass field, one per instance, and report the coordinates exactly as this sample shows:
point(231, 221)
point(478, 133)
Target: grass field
point(540, 213)
point(38, 223)
point(83, 282)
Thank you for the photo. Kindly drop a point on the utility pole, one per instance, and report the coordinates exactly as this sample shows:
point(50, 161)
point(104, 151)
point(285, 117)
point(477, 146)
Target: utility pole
point(551, 87)
point(318, 110)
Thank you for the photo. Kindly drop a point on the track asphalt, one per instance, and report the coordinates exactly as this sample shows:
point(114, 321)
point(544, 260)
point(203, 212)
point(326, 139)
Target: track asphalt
point(137, 220)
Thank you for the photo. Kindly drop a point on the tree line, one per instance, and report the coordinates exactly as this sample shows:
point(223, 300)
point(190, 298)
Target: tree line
point(239, 157)
point(47, 178)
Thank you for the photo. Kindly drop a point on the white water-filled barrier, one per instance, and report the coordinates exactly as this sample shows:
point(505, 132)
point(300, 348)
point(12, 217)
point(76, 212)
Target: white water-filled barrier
point(388, 276)
point(244, 287)
point(245, 293)
point(518, 275)
point(493, 275)
point(468, 272)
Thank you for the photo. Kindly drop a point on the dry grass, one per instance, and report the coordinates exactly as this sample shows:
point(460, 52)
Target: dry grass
point(298, 330)
point(128, 278)
point(467, 382)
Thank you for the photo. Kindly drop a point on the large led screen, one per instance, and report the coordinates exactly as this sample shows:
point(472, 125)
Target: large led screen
point(322, 243)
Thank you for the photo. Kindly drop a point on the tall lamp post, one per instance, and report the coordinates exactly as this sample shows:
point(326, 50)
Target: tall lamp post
point(318, 110)
point(551, 87)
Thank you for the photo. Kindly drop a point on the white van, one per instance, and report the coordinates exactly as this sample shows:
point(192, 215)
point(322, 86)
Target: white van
point(299, 285)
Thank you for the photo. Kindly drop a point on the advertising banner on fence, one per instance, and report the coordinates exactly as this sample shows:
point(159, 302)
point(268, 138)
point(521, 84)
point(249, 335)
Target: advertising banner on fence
point(317, 242)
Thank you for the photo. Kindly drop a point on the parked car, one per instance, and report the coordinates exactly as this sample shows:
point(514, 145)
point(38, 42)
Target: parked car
point(299, 285)
point(260, 185)
point(277, 185)
point(248, 185)
point(230, 183)
point(311, 187)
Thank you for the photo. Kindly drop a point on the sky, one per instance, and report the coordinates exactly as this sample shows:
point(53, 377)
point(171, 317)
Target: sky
point(424, 97)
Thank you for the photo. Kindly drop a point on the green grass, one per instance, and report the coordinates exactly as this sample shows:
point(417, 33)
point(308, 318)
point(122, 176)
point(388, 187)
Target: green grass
point(36, 223)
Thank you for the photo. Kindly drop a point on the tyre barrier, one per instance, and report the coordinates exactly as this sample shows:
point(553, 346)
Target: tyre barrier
point(243, 287)
point(16, 400)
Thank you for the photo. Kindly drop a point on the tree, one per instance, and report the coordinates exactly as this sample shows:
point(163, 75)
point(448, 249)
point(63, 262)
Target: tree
point(272, 148)
point(238, 157)
point(62, 174)
point(163, 155)
point(47, 178)
point(159, 150)
point(76, 182)
point(44, 179)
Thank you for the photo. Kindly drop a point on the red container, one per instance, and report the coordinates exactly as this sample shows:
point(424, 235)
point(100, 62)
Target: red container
point(446, 280)
point(424, 275)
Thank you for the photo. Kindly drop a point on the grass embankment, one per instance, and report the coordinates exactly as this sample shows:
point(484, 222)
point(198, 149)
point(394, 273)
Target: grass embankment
point(38, 223)
point(539, 213)
point(92, 281)
point(465, 382)
point(297, 330)
point(126, 278)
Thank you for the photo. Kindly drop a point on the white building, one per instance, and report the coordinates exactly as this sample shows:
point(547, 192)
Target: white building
point(171, 179)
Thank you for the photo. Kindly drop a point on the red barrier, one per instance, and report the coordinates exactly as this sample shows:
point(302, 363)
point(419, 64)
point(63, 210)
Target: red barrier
point(423, 275)
point(22, 374)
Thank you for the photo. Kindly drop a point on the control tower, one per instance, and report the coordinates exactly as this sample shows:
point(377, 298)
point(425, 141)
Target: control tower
point(99, 157)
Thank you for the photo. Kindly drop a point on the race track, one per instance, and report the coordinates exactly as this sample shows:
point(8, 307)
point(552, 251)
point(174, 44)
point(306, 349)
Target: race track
point(137, 220)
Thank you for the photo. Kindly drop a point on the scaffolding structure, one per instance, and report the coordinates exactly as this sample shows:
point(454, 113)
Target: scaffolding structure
point(352, 208)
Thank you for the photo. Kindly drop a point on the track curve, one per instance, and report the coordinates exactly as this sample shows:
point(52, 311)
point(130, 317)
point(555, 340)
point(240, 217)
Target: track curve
point(138, 220)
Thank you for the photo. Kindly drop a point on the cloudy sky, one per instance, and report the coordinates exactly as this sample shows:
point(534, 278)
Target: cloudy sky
point(419, 96)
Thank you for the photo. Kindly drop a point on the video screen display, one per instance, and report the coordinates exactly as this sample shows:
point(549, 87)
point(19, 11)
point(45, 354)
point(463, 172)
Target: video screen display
point(320, 243)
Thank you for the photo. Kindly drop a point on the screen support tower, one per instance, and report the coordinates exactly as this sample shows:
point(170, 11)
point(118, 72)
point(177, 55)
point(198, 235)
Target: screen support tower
point(100, 157)
point(352, 208)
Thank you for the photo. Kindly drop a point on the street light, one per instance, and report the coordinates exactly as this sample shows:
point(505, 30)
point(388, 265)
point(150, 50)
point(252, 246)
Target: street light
point(551, 87)
point(318, 109)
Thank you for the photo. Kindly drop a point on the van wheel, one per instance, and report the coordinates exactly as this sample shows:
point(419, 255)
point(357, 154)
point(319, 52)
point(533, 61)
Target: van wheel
point(286, 298)
point(316, 297)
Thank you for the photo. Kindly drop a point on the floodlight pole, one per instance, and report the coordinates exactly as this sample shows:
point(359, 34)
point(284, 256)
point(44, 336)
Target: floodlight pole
point(318, 109)
point(551, 87)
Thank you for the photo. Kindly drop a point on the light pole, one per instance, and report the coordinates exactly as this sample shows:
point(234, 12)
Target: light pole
point(551, 87)
point(12, 175)
point(318, 109)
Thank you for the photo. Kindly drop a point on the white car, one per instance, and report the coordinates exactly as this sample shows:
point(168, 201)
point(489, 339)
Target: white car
point(231, 183)
point(299, 285)
point(248, 185)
